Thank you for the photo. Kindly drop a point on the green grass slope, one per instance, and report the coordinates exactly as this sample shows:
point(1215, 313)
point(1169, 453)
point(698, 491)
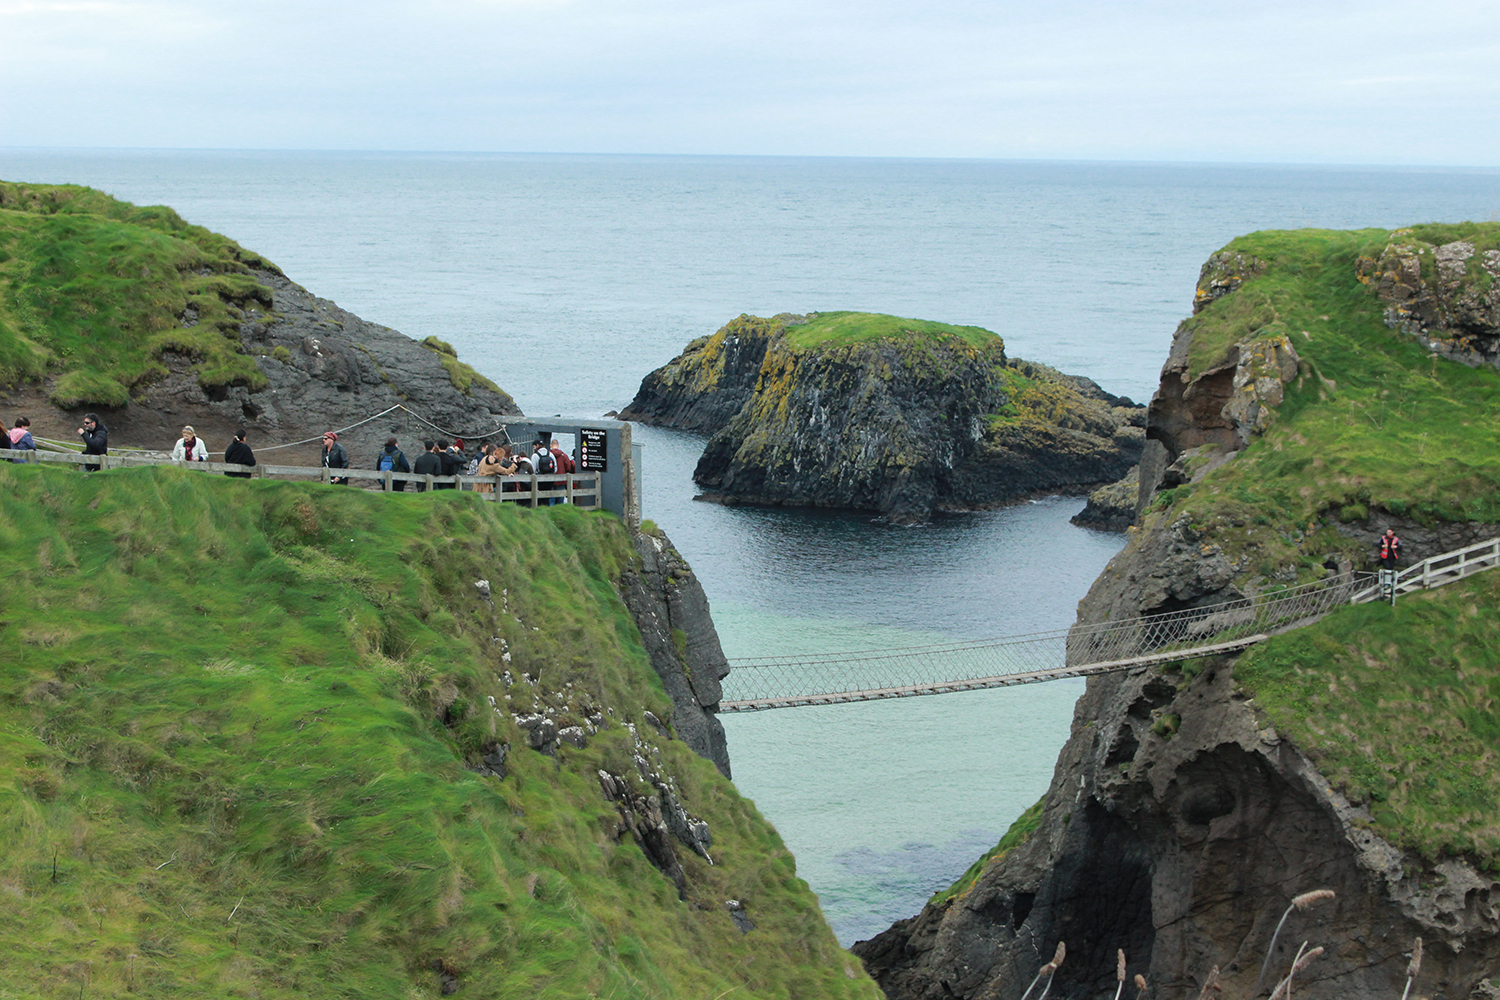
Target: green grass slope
point(1400, 709)
point(235, 724)
point(837, 329)
point(1372, 423)
point(94, 290)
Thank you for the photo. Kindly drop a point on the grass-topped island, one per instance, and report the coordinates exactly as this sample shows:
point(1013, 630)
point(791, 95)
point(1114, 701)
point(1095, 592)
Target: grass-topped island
point(875, 412)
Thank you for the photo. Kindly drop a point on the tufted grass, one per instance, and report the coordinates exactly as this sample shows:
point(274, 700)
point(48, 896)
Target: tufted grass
point(94, 291)
point(235, 719)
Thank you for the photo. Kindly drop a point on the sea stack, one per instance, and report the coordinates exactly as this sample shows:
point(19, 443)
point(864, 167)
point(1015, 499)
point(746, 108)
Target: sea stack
point(873, 412)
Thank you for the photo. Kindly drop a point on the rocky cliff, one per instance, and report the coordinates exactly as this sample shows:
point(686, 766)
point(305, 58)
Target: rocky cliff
point(154, 323)
point(903, 417)
point(1191, 804)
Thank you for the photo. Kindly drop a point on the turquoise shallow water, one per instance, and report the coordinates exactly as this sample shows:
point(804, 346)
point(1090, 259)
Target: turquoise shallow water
point(566, 278)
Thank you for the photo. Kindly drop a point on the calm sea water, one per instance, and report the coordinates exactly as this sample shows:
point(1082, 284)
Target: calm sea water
point(567, 278)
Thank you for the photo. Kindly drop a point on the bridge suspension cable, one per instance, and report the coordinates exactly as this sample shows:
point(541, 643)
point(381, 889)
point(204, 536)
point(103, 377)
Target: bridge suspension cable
point(837, 678)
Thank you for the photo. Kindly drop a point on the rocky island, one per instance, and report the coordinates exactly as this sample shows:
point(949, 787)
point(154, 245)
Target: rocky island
point(1342, 776)
point(872, 412)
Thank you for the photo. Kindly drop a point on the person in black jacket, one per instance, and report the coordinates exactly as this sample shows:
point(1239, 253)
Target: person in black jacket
point(335, 457)
point(95, 438)
point(392, 460)
point(427, 464)
point(239, 453)
point(452, 464)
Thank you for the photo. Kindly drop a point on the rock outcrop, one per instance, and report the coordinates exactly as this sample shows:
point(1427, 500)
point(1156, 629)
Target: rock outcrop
point(671, 610)
point(1112, 507)
point(910, 420)
point(1179, 824)
point(1441, 290)
point(326, 368)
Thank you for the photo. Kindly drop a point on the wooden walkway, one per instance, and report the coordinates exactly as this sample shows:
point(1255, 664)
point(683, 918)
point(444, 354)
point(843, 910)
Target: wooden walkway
point(580, 488)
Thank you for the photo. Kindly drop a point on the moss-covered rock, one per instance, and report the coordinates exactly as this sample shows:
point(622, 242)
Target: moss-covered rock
point(879, 413)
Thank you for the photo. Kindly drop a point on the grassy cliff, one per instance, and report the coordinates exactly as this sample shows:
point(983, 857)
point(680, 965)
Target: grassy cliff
point(94, 291)
point(240, 724)
point(1372, 424)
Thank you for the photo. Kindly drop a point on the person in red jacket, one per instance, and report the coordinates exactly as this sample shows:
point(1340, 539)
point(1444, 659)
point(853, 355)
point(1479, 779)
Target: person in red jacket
point(1389, 547)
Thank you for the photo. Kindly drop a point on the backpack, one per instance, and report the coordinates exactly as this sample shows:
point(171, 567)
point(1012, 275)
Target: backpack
point(473, 468)
point(387, 461)
point(545, 464)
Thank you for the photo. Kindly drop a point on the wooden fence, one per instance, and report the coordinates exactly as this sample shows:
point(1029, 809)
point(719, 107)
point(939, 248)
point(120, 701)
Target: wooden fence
point(580, 488)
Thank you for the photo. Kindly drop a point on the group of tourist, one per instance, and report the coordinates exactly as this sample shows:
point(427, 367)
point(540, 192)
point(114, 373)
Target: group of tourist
point(439, 457)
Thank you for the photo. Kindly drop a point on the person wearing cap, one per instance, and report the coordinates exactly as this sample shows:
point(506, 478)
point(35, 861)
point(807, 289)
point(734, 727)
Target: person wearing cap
point(334, 457)
point(188, 448)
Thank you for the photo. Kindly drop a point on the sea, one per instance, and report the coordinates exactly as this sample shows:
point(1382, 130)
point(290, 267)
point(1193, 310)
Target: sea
point(566, 278)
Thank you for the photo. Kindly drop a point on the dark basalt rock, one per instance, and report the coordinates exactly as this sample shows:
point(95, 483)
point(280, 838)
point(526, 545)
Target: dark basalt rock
point(904, 425)
point(671, 610)
point(327, 368)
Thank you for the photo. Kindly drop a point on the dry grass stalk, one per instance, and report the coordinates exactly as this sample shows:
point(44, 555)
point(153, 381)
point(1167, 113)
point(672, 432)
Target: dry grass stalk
point(1413, 967)
point(1301, 902)
point(1284, 988)
point(1211, 984)
point(1140, 986)
point(1119, 972)
point(1048, 970)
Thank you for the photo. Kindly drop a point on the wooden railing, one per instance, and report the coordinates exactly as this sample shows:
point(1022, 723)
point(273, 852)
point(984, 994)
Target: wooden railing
point(580, 488)
point(1439, 570)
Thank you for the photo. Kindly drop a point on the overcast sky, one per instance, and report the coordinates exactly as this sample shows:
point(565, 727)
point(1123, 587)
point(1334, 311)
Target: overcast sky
point(1275, 81)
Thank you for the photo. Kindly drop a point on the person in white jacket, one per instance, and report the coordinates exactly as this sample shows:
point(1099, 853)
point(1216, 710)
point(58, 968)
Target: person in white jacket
point(189, 447)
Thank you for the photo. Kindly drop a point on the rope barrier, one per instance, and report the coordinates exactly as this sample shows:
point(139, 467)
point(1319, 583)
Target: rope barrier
point(500, 428)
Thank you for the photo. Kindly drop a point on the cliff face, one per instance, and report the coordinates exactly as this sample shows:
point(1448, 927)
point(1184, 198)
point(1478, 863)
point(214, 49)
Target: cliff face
point(153, 323)
point(324, 368)
point(916, 419)
point(1191, 804)
point(671, 610)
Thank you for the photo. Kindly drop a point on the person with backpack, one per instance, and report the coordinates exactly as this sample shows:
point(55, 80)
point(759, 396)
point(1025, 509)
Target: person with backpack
point(239, 453)
point(392, 460)
point(543, 464)
point(335, 457)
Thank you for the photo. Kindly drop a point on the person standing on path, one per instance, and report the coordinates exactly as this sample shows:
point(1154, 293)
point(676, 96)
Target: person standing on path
point(239, 453)
point(20, 438)
point(95, 438)
point(392, 459)
point(188, 448)
point(1390, 548)
point(334, 457)
point(427, 464)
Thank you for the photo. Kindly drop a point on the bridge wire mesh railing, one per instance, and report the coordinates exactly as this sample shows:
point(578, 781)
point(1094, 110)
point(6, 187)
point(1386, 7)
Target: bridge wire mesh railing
point(867, 675)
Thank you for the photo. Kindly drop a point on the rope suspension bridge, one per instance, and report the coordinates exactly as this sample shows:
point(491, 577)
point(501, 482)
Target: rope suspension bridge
point(1080, 651)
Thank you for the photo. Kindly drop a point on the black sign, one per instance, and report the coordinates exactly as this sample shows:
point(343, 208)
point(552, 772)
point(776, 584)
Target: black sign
point(593, 452)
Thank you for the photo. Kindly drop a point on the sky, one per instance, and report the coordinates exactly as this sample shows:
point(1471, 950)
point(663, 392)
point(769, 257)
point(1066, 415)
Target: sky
point(1376, 82)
